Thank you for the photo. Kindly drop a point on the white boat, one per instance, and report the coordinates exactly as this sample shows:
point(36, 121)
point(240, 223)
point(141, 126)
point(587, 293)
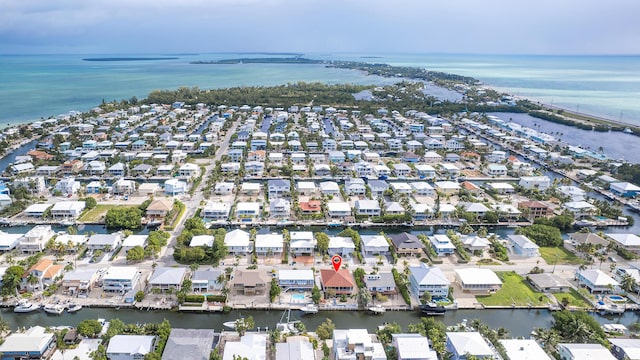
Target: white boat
point(67, 222)
point(74, 308)
point(229, 324)
point(309, 309)
point(377, 309)
point(628, 131)
point(288, 326)
point(24, 306)
point(54, 309)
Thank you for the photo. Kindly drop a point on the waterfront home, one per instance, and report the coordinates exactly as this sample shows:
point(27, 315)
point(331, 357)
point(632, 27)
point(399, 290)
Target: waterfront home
point(596, 280)
point(535, 209)
point(339, 245)
point(367, 207)
point(249, 282)
point(540, 183)
point(449, 170)
point(623, 349)
point(130, 347)
point(94, 187)
point(580, 209)
point(478, 280)
point(141, 170)
point(250, 188)
point(310, 207)
point(120, 279)
point(321, 170)
point(237, 241)
point(339, 282)
point(523, 349)
point(132, 241)
point(296, 279)
point(251, 346)
point(72, 167)
point(164, 170)
point(356, 344)
point(381, 283)
point(425, 171)
point(9, 242)
point(447, 187)
point(254, 168)
point(124, 187)
point(278, 188)
point(406, 244)
point(194, 344)
point(584, 351)
point(215, 210)
point(44, 272)
point(295, 347)
point(230, 168)
point(630, 242)
point(149, 189)
point(201, 240)
point(522, 246)
point(306, 188)
point(117, 170)
point(67, 209)
point(624, 189)
point(496, 170)
point(377, 187)
point(47, 170)
point(79, 282)
point(279, 208)
point(68, 186)
point(23, 168)
point(431, 279)
point(422, 188)
point(413, 347)
point(548, 282)
point(463, 344)
point(246, 211)
point(501, 188)
point(35, 240)
point(188, 171)
point(475, 244)
point(301, 243)
point(104, 241)
point(373, 245)
point(579, 238)
point(442, 244)
point(574, 193)
point(95, 168)
point(431, 157)
point(393, 208)
point(34, 343)
point(175, 187)
point(401, 188)
point(355, 186)
point(159, 208)
point(167, 278)
point(269, 244)
point(207, 280)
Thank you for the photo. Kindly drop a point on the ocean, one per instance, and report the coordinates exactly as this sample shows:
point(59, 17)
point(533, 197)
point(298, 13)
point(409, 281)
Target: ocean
point(35, 86)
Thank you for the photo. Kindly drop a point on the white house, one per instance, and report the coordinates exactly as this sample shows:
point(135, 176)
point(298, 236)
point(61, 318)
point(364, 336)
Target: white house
point(68, 185)
point(424, 278)
point(269, 244)
point(215, 210)
point(120, 279)
point(104, 241)
point(279, 208)
point(130, 347)
point(36, 239)
point(167, 278)
point(584, 351)
point(540, 183)
point(338, 210)
point(132, 241)
point(175, 187)
point(237, 241)
point(339, 245)
point(478, 280)
point(413, 347)
point(463, 344)
point(301, 242)
point(201, 240)
point(356, 344)
point(367, 207)
point(247, 210)
point(329, 188)
point(522, 246)
point(67, 209)
point(374, 245)
point(523, 349)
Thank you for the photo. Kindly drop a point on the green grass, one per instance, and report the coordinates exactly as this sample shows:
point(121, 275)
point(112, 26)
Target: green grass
point(515, 291)
point(575, 299)
point(96, 214)
point(553, 255)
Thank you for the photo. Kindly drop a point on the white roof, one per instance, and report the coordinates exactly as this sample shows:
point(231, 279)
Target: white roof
point(306, 185)
point(338, 207)
point(469, 343)
point(421, 185)
point(524, 349)
point(295, 275)
point(624, 186)
point(80, 274)
point(9, 239)
point(588, 351)
point(121, 273)
point(135, 240)
point(167, 276)
point(248, 206)
point(201, 240)
point(631, 347)
point(269, 240)
point(367, 204)
point(251, 346)
point(131, 344)
point(68, 206)
point(250, 186)
point(475, 241)
point(447, 185)
point(374, 241)
point(329, 186)
point(341, 242)
point(37, 208)
point(32, 340)
point(598, 278)
point(237, 237)
point(625, 239)
point(413, 346)
point(475, 276)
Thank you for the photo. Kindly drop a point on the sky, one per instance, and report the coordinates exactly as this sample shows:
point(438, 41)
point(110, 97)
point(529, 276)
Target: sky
point(352, 26)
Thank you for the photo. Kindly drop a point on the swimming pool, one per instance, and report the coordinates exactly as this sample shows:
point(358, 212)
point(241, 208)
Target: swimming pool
point(297, 297)
point(616, 298)
point(598, 217)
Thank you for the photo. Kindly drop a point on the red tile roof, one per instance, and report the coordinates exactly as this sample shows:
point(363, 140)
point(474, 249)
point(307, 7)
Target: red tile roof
point(337, 279)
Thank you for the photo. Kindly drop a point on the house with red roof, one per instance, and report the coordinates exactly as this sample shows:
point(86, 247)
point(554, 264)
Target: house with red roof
point(340, 281)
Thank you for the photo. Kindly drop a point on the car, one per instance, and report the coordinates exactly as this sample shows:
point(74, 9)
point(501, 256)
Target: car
point(612, 259)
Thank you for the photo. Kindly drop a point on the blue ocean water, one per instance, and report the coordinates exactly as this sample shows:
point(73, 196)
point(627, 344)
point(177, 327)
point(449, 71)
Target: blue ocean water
point(37, 86)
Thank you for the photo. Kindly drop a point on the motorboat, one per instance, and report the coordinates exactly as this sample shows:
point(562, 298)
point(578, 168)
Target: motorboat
point(229, 324)
point(24, 306)
point(310, 309)
point(288, 326)
point(377, 309)
point(432, 309)
point(154, 224)
point(72, 308)
point(53, 309)
point(67, 222)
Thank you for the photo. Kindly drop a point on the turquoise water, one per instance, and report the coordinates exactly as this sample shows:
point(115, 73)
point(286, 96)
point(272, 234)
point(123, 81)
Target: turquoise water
point(37, 86)
point(297, 297)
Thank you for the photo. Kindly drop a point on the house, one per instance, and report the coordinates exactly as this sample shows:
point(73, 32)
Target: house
point(401, 188)
point(447, 187)
point(279, 208)
point(339, 245)
point(249, 282)
point(79, 282)
point(422, 188)
point(296, 279)
point(587, 238)
point(501, 188)
point(584, 351)
point(124, 187)
point(306, 188)
point(630, 242)
point(356, 344)
point(251, 346)
point(167, 278)
point(9, 242)
point(36, 239)
point(424, 278)
point(580, 209)
point(310, 207)
point(174, 187)
point(381, 283)
point(596, 281)
point(193, 344)
point(67, 209)
point(68, 185)
point(548, 282)
point(117, 170)
point(623, 349)
point(250, 188)
point(278, 188)
point(406, 244)
point(159, 208)
point(23, 168)
point(295, 348)
point(201, 240)
point(132, 241)
point(207, 280)
point(34, 343)
point(338, 210)
point(523, 349)
point(339, 282)
point(574, 193)
point(377, 187)
point(246, 211)
point(215, 210)
point(130, 347)
point(624, 189)
point(393, 208)
point(478, 280)
point(237, 241)
point(442, 244)
point(301, 243)
point(355, 186)
point(475, 244)
point(463, 344)
point(535, 209)
point(374, 245)
point(540, 183)
point(413, 347)
point(120, 279)
point(329, 188)
point(522, 246)
point(367, 207)
point(224, 188)
point(44, 271)
point(269, 244)
point(496, 170)
point(104, 241)
point(425, 171)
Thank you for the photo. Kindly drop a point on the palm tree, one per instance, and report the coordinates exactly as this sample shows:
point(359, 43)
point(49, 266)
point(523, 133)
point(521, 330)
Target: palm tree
point(628, 283)
point(4, 326)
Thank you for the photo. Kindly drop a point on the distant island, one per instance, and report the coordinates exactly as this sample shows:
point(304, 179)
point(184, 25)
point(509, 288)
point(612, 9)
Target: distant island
point(130, 59)
point(270, 60)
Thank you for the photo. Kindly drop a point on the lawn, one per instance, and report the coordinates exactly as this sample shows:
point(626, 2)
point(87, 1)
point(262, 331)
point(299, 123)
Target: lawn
point(558, 255)
point(575, 299)
point(515, 291)
point(96, 214)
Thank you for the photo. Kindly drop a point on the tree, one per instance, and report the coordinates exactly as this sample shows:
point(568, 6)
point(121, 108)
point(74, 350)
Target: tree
point(139, 296)
point(124, 218)
point(628, 283)
point(11, 280)
point(325, 330)
point(364, 296)
point(89, 328)
point(578, 327)
point(244, 324)
point(542, 235)
point(322, 241)
point(316, 294)
point(90, 202)
point(135, 254)
point(426, 297)
point(274, 290)
point(385, 333)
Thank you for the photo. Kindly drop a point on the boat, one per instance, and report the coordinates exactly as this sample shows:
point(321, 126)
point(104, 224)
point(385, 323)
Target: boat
point(432, 309)
point(53, 309)
point(288, 326)
point(612, 309)
point(67, 222)
point(377, 309)
point(154, 224)
point(627, 131)
point(229, 324)
point(25, 306)
point(72, 308)
point(309, 309)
